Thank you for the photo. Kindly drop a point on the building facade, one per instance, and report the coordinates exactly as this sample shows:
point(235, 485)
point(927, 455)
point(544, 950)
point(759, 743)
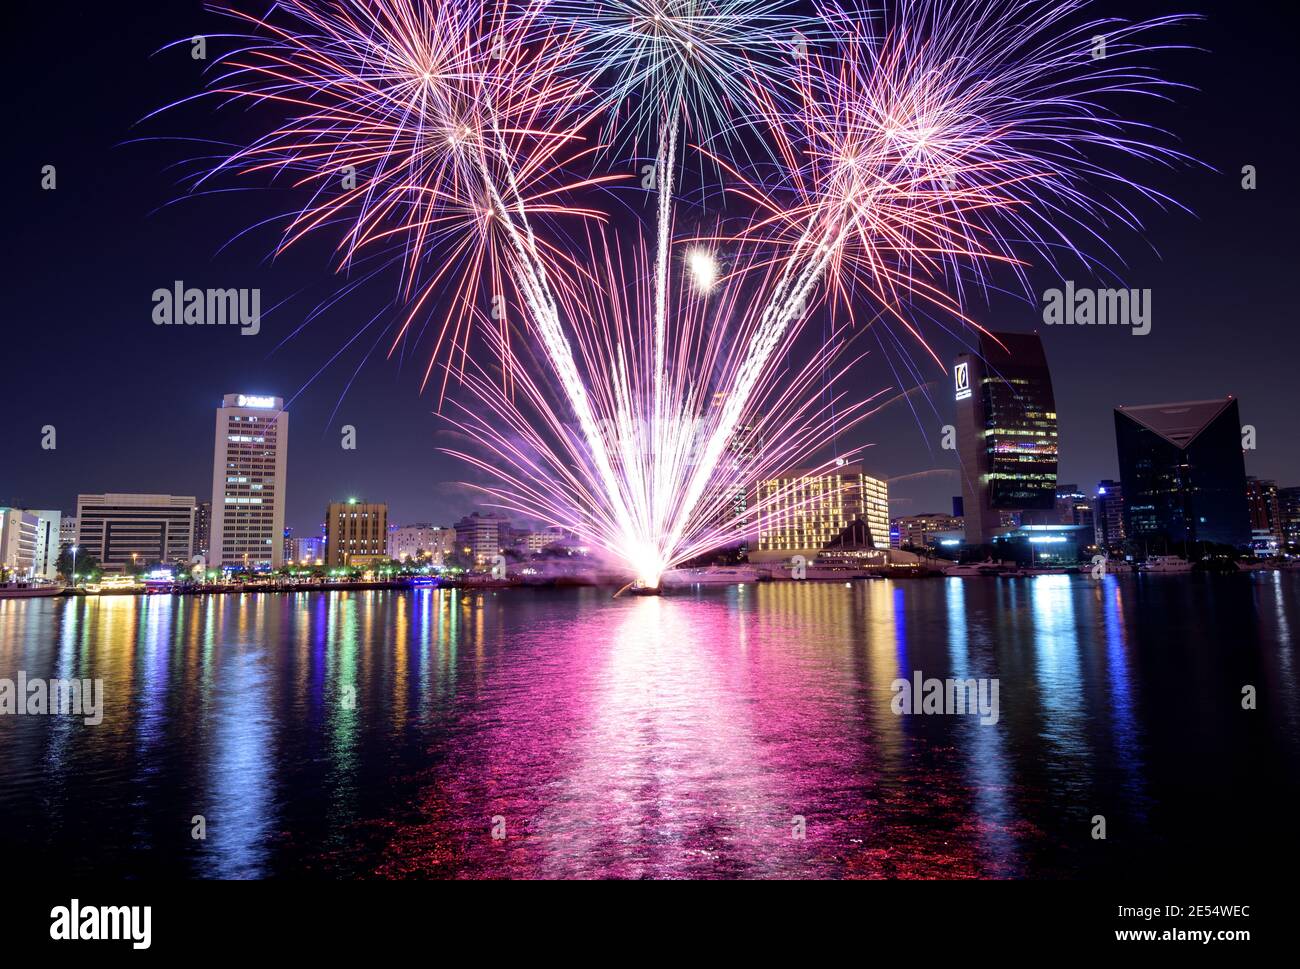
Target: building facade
point(421, 541)
point(803, 513)
point(922, 531)
point(309, 551)
point(1006, 434)
point(67, 531)
point(1108, 516)
point(482, 536)
point(18, 541)
point(125, 531)
point(49, 526)
point(527, 543)
point(356, 533)
point(203, 529)
point(1264, 507)
point(249, 470)
point(1183, 474)
point(1073, 507)
point(1288, 501)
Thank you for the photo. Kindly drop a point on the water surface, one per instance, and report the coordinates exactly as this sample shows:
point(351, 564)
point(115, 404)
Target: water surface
point(392, 734)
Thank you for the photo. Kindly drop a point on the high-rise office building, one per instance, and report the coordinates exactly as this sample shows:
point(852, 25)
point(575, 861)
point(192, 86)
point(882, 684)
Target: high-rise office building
point(1006, 434)
point(1073, 507)
point(203, 529)
point(248, 483)
point(1288, 502)
point(803, 513)
point(1108, 516)
point(744, 448)
point(1183, 474)
point(1264, 508)
point(356, 533)
point(67, 531)
point(128, 531)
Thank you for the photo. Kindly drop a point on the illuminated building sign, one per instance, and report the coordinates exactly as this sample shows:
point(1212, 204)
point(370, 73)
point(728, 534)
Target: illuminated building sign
point(961, 373)
point(256, 401)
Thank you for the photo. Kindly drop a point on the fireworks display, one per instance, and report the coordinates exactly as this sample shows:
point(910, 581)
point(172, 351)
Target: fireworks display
point(622, 378)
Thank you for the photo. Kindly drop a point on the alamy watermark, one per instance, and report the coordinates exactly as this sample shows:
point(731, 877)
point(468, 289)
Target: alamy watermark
point(953, 697)
point(208, 307)
point(28, 697)
point(75, 922)
point(1098, 307)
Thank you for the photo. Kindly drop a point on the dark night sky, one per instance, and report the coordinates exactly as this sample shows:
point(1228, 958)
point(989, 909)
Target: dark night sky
point(133, 403)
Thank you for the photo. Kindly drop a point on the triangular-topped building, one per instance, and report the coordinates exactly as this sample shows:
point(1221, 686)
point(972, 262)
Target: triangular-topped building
point(1183, 474)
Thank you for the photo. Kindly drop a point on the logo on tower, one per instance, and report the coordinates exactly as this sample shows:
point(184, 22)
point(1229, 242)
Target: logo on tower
point(961, 375)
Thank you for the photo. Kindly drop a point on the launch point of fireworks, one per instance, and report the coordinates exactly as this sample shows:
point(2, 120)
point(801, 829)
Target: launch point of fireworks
point(637, 386)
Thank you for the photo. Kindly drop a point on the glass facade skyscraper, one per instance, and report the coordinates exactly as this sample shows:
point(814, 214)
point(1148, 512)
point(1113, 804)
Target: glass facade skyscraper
point(1006, 433)
point(1183, 474)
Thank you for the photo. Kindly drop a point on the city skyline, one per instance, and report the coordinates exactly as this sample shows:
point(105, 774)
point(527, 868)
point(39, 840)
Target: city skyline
point(1201, 297)
point(731, 439)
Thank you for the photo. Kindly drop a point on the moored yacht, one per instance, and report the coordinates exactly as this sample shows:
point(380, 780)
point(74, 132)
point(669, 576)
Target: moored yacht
point(712, 575)
point(29, 590)
point(966, 569)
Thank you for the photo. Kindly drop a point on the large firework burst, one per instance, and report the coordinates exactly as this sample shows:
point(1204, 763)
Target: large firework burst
point(906, 154)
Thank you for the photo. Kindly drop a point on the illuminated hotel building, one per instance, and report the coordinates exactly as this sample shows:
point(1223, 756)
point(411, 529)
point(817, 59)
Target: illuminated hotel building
point(356, 533)
point(248, 483)
point(128, 531)
point(802, 513)
point(1006, 434)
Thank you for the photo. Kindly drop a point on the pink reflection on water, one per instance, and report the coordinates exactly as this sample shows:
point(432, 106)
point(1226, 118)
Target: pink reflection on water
point(684, 737)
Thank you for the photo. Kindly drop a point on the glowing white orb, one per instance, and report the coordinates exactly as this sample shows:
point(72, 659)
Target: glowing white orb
point(703, 268)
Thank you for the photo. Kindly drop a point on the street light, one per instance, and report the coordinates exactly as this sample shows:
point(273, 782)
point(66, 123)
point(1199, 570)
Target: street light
point(74, 566)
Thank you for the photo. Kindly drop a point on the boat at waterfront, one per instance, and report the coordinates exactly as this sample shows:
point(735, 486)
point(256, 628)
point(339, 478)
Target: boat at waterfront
point(115, 585)
point(29, 590)
point(710, 575)
point(1165, 563)
point(968, 569)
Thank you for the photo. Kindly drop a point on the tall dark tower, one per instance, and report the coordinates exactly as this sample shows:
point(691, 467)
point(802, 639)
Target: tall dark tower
point(1006, 433)
point(1183, 472)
